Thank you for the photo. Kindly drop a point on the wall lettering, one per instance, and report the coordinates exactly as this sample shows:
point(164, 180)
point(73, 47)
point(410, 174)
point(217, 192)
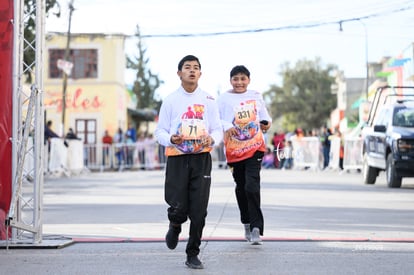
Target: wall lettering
point(76, 101)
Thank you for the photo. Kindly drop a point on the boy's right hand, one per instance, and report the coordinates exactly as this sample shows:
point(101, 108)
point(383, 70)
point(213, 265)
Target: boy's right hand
point(176, 139)
point(231, 132)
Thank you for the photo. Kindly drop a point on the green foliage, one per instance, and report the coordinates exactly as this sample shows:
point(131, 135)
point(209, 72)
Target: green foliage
point(305, 99)
point(146, 82)
point(30, 33)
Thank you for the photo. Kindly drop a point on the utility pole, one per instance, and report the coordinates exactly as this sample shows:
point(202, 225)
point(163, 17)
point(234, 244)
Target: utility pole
point(65, 75)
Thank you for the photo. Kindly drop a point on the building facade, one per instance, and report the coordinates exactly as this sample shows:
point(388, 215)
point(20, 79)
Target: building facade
point(96, 95)
point(399, 70)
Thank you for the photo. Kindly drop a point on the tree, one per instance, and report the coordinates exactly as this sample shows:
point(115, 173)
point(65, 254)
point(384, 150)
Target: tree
point(30, 34)
point(146, 82)
point(305, 99)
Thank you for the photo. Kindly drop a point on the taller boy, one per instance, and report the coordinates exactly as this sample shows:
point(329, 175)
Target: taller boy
point(189, 125)
point(245, 117)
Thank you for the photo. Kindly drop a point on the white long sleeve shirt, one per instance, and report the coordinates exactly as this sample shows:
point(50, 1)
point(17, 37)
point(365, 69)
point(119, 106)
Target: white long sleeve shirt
point(244, 111)
point(192, 115)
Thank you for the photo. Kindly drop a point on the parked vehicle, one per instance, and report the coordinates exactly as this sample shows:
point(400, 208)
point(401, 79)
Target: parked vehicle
point(389, 136)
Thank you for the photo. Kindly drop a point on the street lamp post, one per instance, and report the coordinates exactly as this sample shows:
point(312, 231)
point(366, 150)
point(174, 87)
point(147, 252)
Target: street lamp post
point(366, 58)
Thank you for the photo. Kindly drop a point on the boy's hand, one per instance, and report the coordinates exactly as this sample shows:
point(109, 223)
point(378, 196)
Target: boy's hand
point(176, 139)
point(231, 132)
point(264, 126)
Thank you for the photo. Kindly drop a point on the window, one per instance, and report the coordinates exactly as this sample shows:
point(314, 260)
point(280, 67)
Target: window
point(85, 63)
point(86, 130)
point(404, 117)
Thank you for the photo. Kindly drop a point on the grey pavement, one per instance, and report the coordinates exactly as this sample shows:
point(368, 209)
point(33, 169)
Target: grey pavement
point(316, 222)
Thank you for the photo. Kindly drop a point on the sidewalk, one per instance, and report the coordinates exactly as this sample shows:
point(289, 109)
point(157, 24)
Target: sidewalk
point(115, 223)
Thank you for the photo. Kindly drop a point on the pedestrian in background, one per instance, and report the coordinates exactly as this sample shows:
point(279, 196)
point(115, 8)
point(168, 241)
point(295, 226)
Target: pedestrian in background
point(119, 141)
point(131, 132)
point(189, 125)
point(245, 118)
point(106, 145)
point(49, 133)
point(129, 150)
point(71, 135)
point(278, 144)
point(268, 159)
point(326, 145)
point(141, 150)
point(287, 155)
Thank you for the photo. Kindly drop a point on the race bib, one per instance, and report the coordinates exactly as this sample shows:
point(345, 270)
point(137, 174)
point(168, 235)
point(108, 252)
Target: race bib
point(244, 114)
point(193, 128)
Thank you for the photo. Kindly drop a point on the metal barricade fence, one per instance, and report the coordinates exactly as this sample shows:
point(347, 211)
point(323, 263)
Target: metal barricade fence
point(78, 157)
point(75, 156)
point(139, 155)
point(63, 157)
point(353, 153)
point(334, 152)
point(57, 157)
point(306, 152)
point(120, 156)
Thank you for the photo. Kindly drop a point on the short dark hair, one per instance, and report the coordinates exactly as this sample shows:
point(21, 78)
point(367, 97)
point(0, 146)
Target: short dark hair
point(188, 58)
point(239, 69)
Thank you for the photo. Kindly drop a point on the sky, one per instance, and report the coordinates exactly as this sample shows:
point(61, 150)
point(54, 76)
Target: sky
point(262, 34)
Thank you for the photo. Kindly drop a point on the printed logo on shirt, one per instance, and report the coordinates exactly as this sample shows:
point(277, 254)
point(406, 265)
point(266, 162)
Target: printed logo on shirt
point(249, 138)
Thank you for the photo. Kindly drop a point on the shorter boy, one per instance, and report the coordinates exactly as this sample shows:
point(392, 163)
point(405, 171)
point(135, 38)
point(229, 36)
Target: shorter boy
point(245, 118)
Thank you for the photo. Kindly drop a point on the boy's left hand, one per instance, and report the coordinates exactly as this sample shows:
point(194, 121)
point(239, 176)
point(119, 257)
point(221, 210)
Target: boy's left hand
point(265, 127)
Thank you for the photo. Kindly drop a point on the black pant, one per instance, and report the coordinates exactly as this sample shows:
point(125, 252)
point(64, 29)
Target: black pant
point(246, 174)
point(187, 191)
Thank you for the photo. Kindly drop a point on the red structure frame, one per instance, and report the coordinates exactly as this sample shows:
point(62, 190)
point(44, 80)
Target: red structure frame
point(6, 109)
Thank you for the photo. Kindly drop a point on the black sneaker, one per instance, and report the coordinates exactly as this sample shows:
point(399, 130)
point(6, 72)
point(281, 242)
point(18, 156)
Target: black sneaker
point(194, 263)
point(171, 239)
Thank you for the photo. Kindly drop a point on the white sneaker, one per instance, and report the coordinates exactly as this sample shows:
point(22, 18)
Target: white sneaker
point(247, 233)
point(255, 237)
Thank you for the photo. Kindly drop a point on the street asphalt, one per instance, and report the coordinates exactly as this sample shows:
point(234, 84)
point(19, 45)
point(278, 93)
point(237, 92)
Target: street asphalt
point(316, 222)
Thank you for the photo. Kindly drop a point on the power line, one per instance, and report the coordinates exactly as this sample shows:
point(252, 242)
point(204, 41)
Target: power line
point(288, 27)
